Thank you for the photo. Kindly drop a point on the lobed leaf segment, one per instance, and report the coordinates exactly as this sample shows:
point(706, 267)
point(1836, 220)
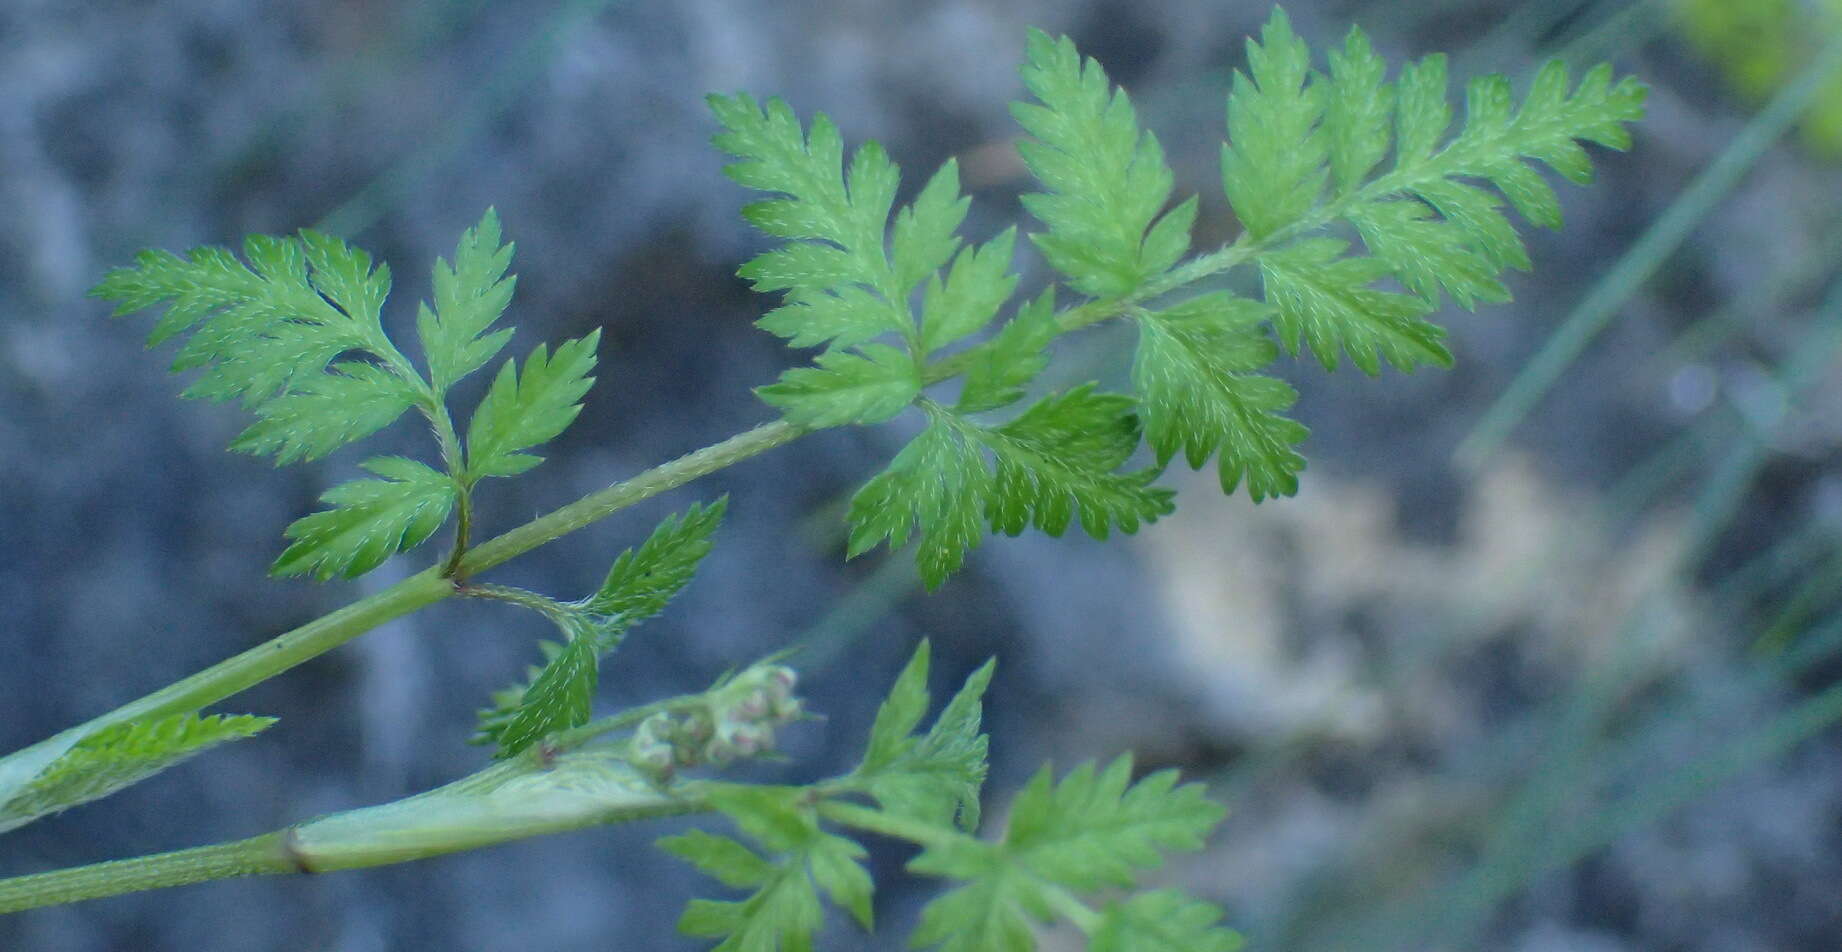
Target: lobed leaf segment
point(560, 694)
point(1087, 836)
point(295, 332)
point(884, 292)
point(120, 756)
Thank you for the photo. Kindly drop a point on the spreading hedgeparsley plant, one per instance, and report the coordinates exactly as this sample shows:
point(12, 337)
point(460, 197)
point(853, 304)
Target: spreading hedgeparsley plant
point(1363, 208)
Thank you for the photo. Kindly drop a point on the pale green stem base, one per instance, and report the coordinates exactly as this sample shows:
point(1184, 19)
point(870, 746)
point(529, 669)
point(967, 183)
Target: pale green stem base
point(262, 855)
point(234, 674)
point(530, 795)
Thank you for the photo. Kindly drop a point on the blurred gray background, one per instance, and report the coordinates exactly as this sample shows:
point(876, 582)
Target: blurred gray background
point(1571, 692)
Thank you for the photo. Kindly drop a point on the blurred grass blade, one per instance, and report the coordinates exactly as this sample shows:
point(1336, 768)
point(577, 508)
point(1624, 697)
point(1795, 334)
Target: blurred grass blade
point(1790, 280)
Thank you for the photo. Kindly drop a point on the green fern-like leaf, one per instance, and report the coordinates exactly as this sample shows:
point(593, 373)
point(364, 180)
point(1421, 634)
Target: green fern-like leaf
point(1327, 301)
point(848, 270)
point(1195, 372)
point(492, 721)
point(522, 410)
point(371, 520)
point(969, 295)
point(1091, 831)
point(1053, 464)
point(266, 332)
point(999, 371)
point(783, 911)
point(296, 334)
point(470, 295)
point(1273, 166)
point(325, 411)
point(1163, 921)
point(641, 583)
point(937, 487)
point(1107, 180)
point(644, 580)
point(1056, 464)
point(1307, 148)
point(561, 696)
point(935, 776)
point(867, 385)
point(122, 755)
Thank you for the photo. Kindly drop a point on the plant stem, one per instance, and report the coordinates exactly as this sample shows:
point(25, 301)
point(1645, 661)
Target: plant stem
point(569, 782)
point(454, 460)
point(601, 504)
point(509, 800)
point(1072, 908)
point(463, 530)
point(241, 671)
point(425, 588)
point(544, 605)
point(258, 856)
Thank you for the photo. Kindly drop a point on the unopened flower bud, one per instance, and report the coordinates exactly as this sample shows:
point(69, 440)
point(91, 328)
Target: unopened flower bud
point(656, 729)
point(657, 762)
point(744, 739)
point(754, 706)
point(696, 727)
point(650, 751)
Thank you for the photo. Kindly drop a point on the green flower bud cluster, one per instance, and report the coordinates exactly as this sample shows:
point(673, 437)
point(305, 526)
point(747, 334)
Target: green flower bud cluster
point(734, 721)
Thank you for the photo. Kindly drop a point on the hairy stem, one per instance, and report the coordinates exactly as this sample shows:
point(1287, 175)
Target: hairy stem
point(454, 460)
point(601, 504)
point(463, 530)
point(259, 856)
point(544, 605)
